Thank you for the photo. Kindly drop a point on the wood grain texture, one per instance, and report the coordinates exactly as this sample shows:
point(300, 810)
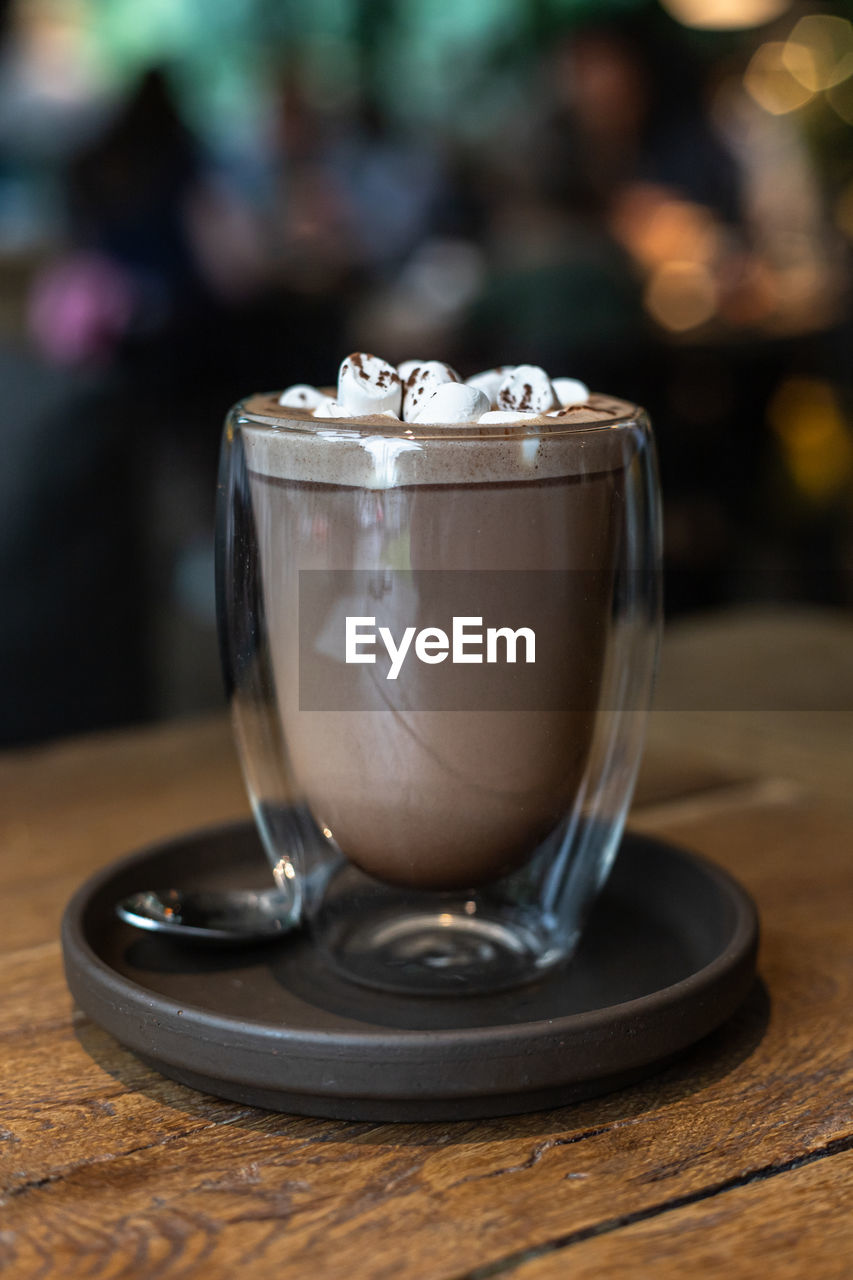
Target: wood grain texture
point(786, 1225)
point(109, 1170)
point(69, 808)
point(733, 1161)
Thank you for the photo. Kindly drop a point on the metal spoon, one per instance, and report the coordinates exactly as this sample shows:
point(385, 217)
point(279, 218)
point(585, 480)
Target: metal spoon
point(207, 915)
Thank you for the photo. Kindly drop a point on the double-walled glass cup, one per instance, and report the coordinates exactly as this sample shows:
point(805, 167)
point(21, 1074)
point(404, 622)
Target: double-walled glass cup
point(439, 644)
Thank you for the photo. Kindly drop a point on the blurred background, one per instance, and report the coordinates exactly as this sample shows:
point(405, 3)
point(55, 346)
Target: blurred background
point(199, 198)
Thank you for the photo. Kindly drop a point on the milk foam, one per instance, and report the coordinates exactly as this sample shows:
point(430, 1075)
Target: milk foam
point(373, 452)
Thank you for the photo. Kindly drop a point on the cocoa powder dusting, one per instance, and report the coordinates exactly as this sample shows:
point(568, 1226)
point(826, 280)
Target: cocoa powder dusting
point(386, 377)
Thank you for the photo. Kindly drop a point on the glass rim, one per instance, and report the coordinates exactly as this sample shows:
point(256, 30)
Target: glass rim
point(350, 429)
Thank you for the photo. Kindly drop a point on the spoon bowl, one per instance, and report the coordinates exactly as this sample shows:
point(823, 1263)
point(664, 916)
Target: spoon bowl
point(233, 916)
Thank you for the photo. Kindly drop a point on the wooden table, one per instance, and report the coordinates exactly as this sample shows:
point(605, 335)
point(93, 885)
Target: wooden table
point(736, 1161)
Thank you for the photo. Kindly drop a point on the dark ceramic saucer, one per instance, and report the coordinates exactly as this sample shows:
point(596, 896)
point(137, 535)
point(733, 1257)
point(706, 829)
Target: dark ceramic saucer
point(668, 955)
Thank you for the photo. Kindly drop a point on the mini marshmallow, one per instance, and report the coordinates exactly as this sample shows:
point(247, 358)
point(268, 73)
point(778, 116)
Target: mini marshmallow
point(490, 381)
point(367, 384)
point(422, 381)
point(301, 396)
point(331, 409)
point(451, 403)
point(507, 415)
point(405, 369)
point(527, 387)
point(570, 391)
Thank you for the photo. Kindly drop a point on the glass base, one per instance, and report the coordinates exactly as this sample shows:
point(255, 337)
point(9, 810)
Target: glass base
point(457, 948)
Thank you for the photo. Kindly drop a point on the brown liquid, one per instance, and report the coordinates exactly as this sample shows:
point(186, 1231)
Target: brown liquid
point(443, 799)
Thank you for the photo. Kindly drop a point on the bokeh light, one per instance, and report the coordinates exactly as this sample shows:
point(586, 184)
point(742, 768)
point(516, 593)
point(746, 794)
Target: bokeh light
point(819, 51)
point(770, 81)
point(681, 296)
point(725, 15)
point(816, 443)
point(656, 227)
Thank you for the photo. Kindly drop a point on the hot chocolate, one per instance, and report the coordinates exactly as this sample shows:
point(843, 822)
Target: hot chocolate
point(440, 798)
